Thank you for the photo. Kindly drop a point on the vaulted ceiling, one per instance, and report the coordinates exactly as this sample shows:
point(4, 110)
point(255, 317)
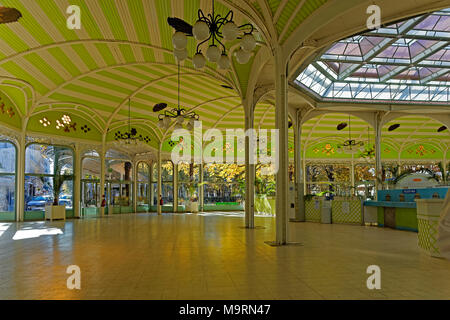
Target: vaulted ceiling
point(123, 52)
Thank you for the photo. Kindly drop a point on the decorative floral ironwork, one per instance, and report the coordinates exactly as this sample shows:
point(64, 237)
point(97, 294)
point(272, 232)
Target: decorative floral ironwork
point(328, 150)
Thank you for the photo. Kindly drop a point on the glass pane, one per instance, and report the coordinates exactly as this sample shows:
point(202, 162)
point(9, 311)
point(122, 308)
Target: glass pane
point(7, 158)
point(115, 194)
point(167, 194)
point(39, 159)
point(126, 195)
point(167, 171)
point(364, 173)
point(265, 183)
point(187, 193)
point(143, 194)
point(224, 173)
point(65, 194)
point(90, 194)
point(154, 199)
point(155, 173)
point(143, 172)
point(91, 153)
point(7, 194)
point(221, 193)
point(113, 154)
point(117, 170)
point(91, 169)
point(45, 159)
point(38, 193)
point(188, 172)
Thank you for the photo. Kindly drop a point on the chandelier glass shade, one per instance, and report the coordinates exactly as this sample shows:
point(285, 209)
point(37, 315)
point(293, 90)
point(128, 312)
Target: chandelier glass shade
point(131, 137)
point(215, 29)
point(179, 114)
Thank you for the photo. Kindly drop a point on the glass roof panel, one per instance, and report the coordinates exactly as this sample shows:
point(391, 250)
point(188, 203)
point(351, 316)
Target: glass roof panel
point(405, 62)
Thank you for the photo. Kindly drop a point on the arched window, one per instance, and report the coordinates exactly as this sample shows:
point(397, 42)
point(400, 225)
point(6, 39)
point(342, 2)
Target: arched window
point(167, 185)
point(188, 183)
point(48, 179)
point(143, 187)
point(7, 181)
point(224, 186)
point(119, 179)
point(90, 183)
point(154, 188)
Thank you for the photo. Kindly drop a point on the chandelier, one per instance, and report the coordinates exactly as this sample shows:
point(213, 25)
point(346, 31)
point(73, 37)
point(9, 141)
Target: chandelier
point(131, 137)
point(350, 146)
point(369, 152)
point(178, 113)
point(213, 29)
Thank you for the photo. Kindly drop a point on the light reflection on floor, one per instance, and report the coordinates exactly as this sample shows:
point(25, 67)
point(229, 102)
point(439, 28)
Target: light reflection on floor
point(4, 227)
point(211, 256)
point(36, 230)
point(227, 214)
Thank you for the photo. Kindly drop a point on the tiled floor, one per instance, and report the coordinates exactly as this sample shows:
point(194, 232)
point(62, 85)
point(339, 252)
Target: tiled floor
point(212, 257)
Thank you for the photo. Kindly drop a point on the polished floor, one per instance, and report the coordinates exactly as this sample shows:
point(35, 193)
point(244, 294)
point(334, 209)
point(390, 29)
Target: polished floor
point(211, 257)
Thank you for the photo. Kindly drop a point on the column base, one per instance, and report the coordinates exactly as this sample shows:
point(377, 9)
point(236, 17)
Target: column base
point(296, 220)
point(254, 228)
point(276, 244)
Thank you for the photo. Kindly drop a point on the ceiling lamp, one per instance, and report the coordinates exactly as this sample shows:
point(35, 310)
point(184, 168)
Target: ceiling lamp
point(179, 114)
point(394, 127)
point(8, 15)
point(131, 137)
point(213, 29)
point(350, 146)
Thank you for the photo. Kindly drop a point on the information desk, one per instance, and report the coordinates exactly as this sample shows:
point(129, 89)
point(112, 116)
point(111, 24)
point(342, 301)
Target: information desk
point(392, 212)
point(396, 215)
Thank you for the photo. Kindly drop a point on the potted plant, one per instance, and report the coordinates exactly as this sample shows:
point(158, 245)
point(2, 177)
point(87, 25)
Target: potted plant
point(193, 198)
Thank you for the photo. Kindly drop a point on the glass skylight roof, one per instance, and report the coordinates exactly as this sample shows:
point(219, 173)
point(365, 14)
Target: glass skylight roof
point(405, 62)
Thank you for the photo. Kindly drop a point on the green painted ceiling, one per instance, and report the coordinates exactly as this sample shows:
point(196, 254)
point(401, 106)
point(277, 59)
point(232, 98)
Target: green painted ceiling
point(124, 51)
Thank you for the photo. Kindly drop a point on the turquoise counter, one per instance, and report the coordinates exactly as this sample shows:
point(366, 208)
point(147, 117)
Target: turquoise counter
point(398, 214)
point(390, 204)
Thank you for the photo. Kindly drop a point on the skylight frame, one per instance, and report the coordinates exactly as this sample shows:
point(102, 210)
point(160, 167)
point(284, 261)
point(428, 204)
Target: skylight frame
point(430, 89)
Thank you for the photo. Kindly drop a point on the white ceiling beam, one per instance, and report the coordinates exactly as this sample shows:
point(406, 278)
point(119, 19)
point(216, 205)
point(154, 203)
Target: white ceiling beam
point(279, 11)
point(291, 18)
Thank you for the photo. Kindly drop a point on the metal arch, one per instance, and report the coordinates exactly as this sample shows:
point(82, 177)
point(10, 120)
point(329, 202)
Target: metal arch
point(100, 41)
point(226, 114)
point(195, 108)
point(139, 90)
